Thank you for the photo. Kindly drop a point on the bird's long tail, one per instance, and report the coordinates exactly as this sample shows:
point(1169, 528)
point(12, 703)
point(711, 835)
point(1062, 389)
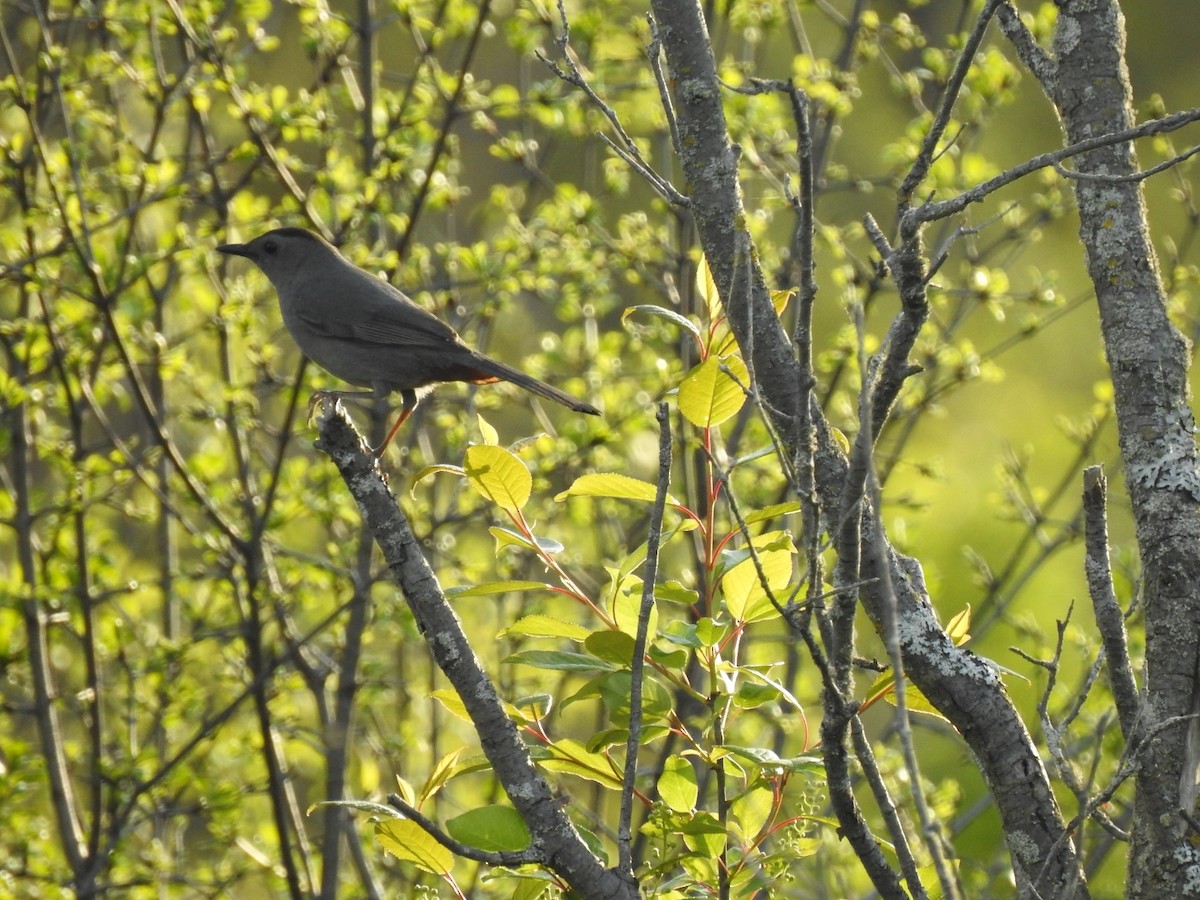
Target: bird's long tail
point(517, 377)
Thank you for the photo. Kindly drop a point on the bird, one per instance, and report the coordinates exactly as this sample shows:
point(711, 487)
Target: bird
point(362, 330)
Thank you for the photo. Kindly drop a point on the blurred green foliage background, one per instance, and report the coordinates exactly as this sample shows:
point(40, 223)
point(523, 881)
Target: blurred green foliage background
point(224, 650)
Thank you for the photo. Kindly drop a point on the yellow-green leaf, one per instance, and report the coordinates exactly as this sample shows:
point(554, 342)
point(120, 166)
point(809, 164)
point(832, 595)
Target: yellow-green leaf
point(708, 395)
point(742, 586)
point(677, 784)
point(572, 758)
point(706, 289)
point(406, 840)
point(429, 471)
point(610, 484)
point(490, 436)
point(506, 537)
point(452, 703)
point(498, 476)
point(546, 626)
point(752, 810)
point(443, 770)
point(491, 588)
point(959, 628)
point(626, 605)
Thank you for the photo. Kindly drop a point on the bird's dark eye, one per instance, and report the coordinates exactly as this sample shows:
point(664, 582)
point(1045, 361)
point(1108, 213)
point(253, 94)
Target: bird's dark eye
point(270, 247)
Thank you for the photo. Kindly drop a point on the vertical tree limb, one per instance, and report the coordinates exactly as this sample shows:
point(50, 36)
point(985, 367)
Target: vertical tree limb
point(1149, 361)
point(966, 689)
point(1109, 619)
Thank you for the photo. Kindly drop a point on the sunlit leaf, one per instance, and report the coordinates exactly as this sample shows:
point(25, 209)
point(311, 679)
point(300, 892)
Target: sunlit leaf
point(708, 395)
point(557, 661)
point(669, 314)
point(545, 626)
point(492, 588)
point(498, 476)
point(959, 627)
point(610, 484)
point(570, 757)
point(407, 841)
point(677, 784)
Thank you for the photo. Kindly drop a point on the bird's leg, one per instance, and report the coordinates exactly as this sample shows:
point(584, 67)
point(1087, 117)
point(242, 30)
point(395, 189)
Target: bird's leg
point(325, 396)
point(408, 402)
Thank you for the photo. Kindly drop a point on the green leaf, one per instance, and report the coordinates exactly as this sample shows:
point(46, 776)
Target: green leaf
point(522, 884)
point(773, 511)
point(493, 828)
point(674, 592)
point(613, 646)
point(557, 661)
point(677, 784)
point(619, 737)
point(611, 484)
point(506, 537)
point(498, 476)
point(667, 657)
point(535, 707)
point(545, 626)
point(670, 314)
point(710, 633)
point(407, 841)
point(742, 585)
point(376, 809)
point(496, 587)
point(708, 395)
point(684, 634)
point(570, 757)
point(613, 688)
point(704, 835)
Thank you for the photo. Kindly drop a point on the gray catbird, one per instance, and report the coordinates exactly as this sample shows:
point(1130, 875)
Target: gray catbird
point(364, 331)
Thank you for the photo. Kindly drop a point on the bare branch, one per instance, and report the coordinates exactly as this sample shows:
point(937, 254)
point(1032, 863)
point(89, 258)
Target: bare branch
point(638, 663)
point(931, 211)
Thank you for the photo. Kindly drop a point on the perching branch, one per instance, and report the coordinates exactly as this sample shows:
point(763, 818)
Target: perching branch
point(563, 849)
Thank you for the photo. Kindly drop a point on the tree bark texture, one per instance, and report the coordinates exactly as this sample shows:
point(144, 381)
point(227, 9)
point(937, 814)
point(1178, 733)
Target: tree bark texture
point(562, 849)
point(962, 686)
point(1149, 362)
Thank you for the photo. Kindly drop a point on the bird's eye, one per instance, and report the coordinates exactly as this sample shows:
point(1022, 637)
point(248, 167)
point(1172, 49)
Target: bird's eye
point(270, 247)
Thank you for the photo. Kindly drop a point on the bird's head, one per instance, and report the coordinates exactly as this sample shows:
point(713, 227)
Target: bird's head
point(285, 254)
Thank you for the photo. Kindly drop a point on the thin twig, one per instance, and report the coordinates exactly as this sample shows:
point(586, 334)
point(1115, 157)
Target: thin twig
point(931, 211)
point(1133, 176)
point(624, 146)
point(625, 864)
point(925, 158)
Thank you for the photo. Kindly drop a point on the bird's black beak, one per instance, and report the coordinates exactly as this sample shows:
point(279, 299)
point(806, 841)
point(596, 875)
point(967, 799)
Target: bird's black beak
point(237, 250)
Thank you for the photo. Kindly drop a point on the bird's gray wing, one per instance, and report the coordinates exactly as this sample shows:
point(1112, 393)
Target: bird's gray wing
point(394, 323)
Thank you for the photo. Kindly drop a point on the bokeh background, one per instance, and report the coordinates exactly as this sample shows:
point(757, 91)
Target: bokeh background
point(218, 633)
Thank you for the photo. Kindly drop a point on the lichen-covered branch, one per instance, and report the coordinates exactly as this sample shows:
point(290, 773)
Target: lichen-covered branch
point(1089, 86)
point(962, 686)
point(562, 849)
